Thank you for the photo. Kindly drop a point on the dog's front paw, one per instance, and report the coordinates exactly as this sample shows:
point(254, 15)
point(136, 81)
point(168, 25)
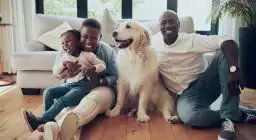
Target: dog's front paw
point(133, 112)
point(112, 113)
point(143, 118)
point(172, 119)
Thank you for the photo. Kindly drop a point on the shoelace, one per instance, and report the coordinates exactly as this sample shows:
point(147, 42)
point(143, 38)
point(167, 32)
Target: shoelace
point(250, 118)
point(229, 126)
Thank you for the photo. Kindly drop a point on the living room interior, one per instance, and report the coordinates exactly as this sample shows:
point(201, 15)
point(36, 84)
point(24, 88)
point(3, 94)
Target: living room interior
point(30, 33)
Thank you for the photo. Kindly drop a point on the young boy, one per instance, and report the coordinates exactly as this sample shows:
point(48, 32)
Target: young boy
point(74, 89)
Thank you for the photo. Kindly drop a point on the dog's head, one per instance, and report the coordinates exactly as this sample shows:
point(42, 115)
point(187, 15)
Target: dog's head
point(131, 35)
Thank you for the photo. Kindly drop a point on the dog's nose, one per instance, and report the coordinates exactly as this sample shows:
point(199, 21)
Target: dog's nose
point(114, 34)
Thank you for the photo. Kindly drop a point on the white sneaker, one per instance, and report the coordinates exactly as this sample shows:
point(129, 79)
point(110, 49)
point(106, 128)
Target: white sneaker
point(227, 131)
point(51, 131)
point(69, 127)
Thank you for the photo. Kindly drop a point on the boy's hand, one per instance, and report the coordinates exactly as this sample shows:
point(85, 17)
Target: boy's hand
point(66, 74)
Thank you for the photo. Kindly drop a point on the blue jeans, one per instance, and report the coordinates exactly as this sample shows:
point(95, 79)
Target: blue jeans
point(67, 94)
point(193, 105)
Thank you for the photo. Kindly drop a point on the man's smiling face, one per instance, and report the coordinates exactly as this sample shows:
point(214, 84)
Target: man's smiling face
point(169, 24)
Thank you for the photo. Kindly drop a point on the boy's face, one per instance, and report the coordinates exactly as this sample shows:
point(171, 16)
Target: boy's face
point(69, 43)
point(90, 37)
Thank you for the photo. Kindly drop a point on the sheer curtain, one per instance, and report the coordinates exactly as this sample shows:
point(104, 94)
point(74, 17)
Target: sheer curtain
point(13, 38)
point(230, 26)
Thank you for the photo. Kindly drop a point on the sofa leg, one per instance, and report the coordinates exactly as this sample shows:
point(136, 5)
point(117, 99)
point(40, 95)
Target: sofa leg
point(31, 91)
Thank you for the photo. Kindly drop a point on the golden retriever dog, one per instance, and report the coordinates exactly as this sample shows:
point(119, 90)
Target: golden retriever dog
point(138, 74)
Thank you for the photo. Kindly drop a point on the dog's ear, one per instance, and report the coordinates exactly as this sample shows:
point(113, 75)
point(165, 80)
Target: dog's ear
point(144, 40)
point(147, 35)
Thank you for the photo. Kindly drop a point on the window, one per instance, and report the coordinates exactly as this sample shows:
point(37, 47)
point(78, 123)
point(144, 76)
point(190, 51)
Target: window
point(60, 7)
point(148, 9)
point(199, 10)
point(96, 7)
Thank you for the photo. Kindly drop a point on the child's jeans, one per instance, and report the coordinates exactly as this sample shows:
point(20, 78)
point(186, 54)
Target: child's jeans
point(66, 95)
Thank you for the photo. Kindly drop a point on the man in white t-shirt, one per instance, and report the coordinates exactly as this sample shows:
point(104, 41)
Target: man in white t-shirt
point(197, 83)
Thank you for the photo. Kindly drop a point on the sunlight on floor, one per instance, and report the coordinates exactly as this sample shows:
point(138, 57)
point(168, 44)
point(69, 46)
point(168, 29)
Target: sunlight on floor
point(2, 89)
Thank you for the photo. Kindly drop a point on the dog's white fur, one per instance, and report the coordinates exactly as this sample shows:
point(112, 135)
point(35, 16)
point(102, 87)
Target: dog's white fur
point(138, 75)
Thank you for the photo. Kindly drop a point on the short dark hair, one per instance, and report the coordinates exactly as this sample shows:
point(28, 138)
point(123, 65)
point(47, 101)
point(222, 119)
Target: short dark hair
point(74, 32)
point(93, 23)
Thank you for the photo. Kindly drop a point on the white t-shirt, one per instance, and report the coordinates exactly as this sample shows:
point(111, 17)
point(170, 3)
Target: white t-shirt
point(182, 62)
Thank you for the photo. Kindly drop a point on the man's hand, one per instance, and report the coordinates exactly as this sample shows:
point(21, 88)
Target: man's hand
point(89, 72)
point(235, 79)
point(235, 82)
point(73, 67)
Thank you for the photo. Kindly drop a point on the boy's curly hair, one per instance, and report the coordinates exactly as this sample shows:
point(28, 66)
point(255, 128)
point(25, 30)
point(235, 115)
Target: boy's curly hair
point(74, 32)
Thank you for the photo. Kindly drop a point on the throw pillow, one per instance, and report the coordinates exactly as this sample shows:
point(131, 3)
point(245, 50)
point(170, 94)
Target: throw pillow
point(52, 38)
point(108, 26)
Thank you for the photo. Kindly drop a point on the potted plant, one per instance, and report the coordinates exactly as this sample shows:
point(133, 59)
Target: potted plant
point(245, 10)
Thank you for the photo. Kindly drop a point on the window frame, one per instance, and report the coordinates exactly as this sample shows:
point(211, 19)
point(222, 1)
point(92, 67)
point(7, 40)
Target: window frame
point(82, 11)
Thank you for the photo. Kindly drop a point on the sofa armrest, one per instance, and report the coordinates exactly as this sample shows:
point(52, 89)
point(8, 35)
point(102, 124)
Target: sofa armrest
point(34, 46)
point(39, 60)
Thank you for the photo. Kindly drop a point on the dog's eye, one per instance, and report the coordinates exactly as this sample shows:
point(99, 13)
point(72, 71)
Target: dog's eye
point(128, 26)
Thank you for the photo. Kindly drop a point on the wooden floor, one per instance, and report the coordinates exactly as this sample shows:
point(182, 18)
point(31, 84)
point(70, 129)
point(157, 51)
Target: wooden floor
point(12, 125)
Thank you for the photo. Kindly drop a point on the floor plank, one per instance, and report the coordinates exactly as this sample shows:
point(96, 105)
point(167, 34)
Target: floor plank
point(115, 128)
point(94, 130)
point(137, 130)
point(159, 129)
point(12, 125)
point(186, 133)
point(246, 132)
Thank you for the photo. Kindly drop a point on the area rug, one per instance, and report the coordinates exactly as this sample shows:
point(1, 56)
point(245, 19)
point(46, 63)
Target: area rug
point(6, 80)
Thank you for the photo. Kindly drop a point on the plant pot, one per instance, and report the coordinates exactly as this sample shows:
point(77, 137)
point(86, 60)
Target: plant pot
point(247, 43)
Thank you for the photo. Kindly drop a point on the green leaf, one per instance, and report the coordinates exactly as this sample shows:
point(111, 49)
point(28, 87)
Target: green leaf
point(233, 8)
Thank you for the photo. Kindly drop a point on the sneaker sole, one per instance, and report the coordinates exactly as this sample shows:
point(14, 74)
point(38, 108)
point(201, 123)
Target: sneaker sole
point(69, 127)
point(219, 138)
point(23, 112)
point(51, 130)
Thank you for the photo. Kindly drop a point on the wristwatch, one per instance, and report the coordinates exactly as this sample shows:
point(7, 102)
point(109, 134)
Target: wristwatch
point(233, 69)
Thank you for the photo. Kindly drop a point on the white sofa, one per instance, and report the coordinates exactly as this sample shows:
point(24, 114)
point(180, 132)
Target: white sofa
point(34, 64)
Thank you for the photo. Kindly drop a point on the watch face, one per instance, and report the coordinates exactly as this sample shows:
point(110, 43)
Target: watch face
point(232, 68)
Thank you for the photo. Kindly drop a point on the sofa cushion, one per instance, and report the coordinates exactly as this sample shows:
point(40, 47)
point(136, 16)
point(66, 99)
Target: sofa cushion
point(50, 22)
point(34, 46)
point(52, 38)
point(42, 60)
point(45, 23)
